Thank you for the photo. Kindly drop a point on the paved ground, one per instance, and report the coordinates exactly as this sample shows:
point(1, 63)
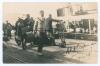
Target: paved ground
point(52, 54)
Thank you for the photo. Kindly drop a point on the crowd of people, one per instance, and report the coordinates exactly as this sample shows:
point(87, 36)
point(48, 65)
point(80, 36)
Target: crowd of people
point(42, 28)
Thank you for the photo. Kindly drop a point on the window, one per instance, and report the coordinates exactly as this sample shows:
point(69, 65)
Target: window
point(60, 12)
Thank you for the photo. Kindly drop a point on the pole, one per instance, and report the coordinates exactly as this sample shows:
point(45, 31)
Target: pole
point(89, 27)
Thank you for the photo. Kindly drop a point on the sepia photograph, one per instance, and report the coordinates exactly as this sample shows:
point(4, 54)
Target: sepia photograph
point(50, 33)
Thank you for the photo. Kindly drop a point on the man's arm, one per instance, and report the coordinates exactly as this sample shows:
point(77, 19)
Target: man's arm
point(55, 20)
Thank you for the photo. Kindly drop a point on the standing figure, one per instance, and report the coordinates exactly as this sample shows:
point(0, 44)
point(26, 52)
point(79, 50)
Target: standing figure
point(49, 28)
point(28, 29)
point(18, 28)
point(28, 23)
point(42, 34)
point(8, 28)
point(61, 34)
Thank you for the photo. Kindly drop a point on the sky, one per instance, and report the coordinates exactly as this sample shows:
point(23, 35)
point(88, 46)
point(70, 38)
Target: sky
point(13, 10)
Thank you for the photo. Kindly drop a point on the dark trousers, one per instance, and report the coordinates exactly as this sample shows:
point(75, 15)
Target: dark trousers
point(40, 47)
point(41, 41)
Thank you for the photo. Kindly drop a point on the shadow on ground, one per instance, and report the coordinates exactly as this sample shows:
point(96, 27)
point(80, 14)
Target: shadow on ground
point(15, 55)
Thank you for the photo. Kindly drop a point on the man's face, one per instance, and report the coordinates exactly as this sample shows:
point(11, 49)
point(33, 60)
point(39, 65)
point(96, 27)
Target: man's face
point(42, 13)
point(28, 16)
point(6, 22)
point(50, 16)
